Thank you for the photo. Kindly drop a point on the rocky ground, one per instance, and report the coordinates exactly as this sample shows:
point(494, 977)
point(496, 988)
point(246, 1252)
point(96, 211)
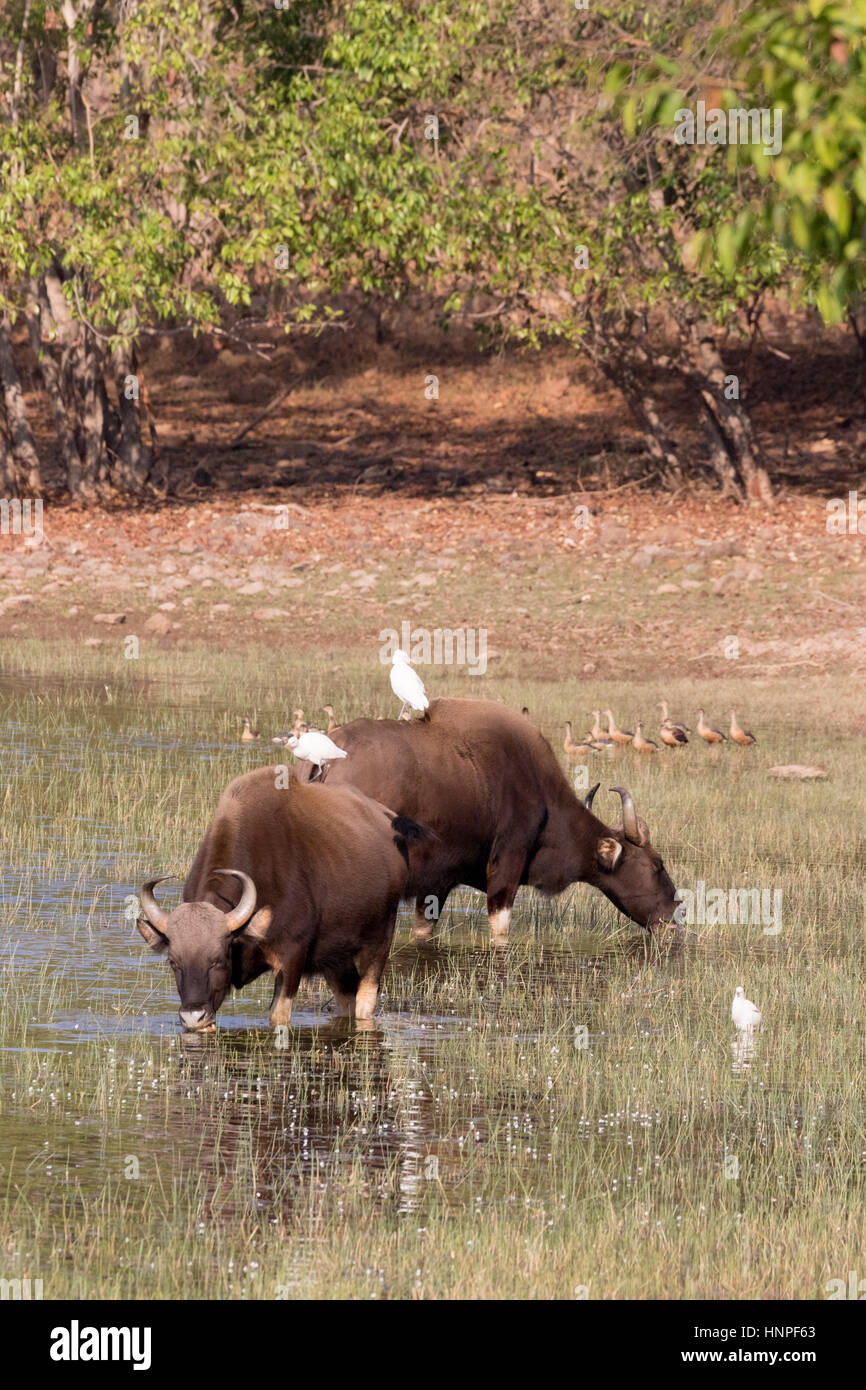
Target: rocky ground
point(519, 501)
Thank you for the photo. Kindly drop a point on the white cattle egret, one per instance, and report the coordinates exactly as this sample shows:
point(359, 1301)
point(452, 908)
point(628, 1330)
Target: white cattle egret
point(314, 747)
point(746, 1017)
point(406, 684)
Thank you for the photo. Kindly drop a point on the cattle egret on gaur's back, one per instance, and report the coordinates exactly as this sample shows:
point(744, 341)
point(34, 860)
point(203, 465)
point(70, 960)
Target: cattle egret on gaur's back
point(315, 747)
point(746, 1017)
point(407, 684)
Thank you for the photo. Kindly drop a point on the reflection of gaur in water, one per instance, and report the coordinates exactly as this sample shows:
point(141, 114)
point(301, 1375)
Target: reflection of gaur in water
point(299, 879)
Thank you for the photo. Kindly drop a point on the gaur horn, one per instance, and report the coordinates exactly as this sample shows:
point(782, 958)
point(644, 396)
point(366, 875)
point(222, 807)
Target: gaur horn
point(149, 906)
point(238, 916)
point(590, 796)
point(629, 817)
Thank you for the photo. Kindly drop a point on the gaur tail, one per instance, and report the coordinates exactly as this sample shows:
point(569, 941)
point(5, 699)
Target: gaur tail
point(409, 833)
point(411, 830)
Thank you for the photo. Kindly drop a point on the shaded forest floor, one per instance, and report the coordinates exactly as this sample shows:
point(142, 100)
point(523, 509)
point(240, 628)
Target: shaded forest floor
point(359, 503)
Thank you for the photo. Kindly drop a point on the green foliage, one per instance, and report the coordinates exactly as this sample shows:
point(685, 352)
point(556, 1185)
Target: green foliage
point(806, 60)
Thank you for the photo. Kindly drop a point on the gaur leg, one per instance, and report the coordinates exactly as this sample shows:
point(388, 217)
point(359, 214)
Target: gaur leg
point(288, 978)
point(428, 910)
point(504, 872)
point(345, 986)
point(370, 963)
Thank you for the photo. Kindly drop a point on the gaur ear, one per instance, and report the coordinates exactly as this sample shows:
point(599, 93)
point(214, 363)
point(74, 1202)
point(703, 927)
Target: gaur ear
point(607, 852)
point(155, 939)
point(257, 927)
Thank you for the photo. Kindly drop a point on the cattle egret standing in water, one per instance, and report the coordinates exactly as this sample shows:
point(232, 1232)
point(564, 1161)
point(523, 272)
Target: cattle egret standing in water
point(313, 747)
point(745, 1016)
point(407, 684)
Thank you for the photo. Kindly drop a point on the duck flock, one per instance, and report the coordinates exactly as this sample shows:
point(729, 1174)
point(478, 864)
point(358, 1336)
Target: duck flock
point(672, 733)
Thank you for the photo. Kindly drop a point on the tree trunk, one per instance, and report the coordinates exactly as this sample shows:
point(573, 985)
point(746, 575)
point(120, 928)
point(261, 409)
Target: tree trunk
point(39, 315)
point(27, 471)
point(93, 418)
point(8, 468)
point(731, 431)
point(133, 461)
point(77, 117)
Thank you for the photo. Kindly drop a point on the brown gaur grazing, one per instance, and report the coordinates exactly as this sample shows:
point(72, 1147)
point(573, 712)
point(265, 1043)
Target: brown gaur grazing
point(295, 877)
point(504, 813)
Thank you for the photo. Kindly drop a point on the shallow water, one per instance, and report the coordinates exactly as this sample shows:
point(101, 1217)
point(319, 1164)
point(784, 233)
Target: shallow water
point(486, 1078)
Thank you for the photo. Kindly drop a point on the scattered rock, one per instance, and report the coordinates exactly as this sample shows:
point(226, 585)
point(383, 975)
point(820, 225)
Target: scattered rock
point(721, 550)
point(158, 624)
point(728, 584)
point(254, 588)
point(748, 573)
point(799, 772)
point(267, 615)
point(691, 584)
point(109, 618)
point(168, 607)
point(668, 589)
point(202, 478)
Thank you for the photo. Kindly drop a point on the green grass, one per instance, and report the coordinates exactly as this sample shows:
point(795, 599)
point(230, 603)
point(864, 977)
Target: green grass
point(463, 1146)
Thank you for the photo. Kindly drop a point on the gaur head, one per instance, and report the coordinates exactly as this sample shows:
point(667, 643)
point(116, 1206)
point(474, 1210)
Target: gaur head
point(198, 939)
point(629, 871)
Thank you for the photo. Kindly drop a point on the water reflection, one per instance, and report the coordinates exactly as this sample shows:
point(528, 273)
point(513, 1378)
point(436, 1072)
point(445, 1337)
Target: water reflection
point(743, 1050)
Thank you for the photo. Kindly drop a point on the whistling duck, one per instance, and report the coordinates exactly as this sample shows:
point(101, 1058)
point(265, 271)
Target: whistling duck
point(298, 726)
point(708, 733)
point(668, 723)
point(248, 733)
point(618, 735)
point(597, 731)
point(573, 749)
point(332, 722)
point(643, 745)
point(673, 735)
point(741, 736)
